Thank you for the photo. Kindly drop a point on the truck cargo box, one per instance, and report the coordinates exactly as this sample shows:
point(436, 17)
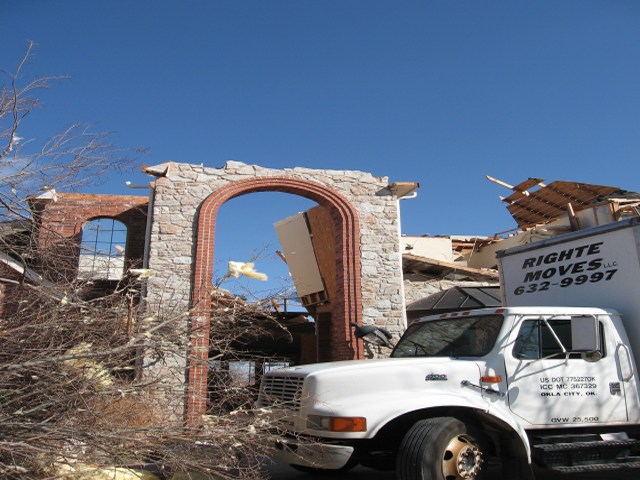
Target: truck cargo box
point(596, 267)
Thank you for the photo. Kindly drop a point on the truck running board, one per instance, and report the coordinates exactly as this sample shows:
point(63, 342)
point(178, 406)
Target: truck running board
point(597, 444)
point(587, 455)
point(598, 467)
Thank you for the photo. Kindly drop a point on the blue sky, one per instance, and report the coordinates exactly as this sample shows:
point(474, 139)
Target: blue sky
point(438, 92)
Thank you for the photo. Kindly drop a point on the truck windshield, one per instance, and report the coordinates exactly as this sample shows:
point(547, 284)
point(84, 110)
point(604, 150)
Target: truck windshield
point(452, 337)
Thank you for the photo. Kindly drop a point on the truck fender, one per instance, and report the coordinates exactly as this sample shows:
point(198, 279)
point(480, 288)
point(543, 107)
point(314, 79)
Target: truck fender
point(495, 415)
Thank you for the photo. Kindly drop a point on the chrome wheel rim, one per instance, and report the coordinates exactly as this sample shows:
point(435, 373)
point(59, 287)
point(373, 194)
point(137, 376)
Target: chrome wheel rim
point(462, 459)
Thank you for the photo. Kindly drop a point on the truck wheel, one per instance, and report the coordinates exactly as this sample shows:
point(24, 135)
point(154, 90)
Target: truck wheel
point(441, 448)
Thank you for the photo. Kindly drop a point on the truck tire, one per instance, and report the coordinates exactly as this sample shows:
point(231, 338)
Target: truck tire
point(441, 448)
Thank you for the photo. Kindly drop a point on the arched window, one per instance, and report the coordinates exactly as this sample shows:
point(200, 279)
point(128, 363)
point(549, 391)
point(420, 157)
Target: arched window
point(102, 250)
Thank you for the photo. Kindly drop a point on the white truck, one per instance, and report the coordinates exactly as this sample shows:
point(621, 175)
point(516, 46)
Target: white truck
point(550, 378)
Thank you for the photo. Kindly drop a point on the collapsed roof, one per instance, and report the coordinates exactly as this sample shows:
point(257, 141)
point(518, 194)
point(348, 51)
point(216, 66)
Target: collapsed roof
point(439, 269)
point(549, 202)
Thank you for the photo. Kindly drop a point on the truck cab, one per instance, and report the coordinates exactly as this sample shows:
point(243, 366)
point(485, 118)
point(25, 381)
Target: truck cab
point(462, 388)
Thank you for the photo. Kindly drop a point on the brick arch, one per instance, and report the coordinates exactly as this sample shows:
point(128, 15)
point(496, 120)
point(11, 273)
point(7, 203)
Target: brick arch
point(79, 226)
point(346, 307)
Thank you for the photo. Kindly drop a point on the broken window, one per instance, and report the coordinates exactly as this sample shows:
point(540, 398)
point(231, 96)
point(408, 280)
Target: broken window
point(102, 250)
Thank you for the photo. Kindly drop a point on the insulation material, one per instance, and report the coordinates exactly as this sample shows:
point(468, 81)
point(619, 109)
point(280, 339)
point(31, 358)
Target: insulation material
point(92, 371)
point(236, 269)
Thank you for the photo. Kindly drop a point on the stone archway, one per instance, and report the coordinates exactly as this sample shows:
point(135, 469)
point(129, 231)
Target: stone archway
point(345, 309)
point(186, 199)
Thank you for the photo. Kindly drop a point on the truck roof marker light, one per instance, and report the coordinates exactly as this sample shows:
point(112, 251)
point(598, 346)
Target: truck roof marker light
point(454, 314)
point(465, 314)
point(443, 315)
point(491, 379)
point(500, 310)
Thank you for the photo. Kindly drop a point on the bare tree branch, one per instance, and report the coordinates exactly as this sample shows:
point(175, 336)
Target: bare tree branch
point(77, 392)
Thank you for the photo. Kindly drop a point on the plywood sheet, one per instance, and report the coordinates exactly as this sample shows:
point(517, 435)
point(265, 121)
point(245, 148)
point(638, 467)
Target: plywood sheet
point(295, 241)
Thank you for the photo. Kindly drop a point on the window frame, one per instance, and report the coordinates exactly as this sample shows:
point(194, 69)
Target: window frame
point(99, 262)
point(548, 335)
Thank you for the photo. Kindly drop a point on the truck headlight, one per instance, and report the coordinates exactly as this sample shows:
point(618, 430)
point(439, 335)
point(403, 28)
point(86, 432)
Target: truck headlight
point(337, 424)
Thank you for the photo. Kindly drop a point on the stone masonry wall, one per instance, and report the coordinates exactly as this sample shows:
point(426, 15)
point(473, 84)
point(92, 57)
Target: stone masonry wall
point(372, 283)
point(184, 187)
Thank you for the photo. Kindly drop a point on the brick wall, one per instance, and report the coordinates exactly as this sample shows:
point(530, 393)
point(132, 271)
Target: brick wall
point(60, 223)
point(7, 287)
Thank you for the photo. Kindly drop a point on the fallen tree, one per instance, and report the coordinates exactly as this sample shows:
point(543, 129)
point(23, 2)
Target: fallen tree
point(74, 397)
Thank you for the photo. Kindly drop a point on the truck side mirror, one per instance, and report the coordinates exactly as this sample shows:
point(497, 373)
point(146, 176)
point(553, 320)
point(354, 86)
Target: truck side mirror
point(585, 334)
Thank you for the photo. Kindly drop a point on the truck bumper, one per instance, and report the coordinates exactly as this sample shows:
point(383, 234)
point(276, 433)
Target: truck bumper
point(310, 454)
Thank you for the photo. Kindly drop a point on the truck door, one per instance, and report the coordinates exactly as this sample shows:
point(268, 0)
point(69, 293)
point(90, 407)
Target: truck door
point(549, 387)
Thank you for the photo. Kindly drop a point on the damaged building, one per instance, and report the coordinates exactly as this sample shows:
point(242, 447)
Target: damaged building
point(349, 263)
point(447, 273)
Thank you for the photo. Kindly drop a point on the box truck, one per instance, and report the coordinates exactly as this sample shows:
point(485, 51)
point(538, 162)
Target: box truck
point(549, 378)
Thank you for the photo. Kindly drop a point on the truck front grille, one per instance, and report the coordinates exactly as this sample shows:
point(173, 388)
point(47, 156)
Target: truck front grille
point(281, 391)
